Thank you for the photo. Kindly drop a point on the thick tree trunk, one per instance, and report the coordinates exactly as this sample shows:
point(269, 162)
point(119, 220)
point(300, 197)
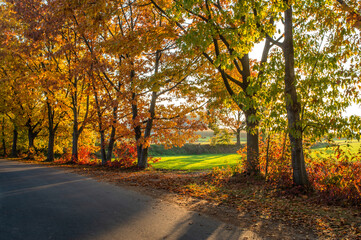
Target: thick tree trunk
point(51, 143)
point(74, 150)
point(14, 150)
point(75, 140)
point(4, 147)
point(111, 144)
point(102, 147)
point(112, 135)
point(51, 131)
point(137, 130)
point(293, 106)
point(252, 144)
point(238, 137)
point(31, 146)
point(251, 122)
point(143, 160)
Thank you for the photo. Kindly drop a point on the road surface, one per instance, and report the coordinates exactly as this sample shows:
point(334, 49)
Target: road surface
point(39, 203)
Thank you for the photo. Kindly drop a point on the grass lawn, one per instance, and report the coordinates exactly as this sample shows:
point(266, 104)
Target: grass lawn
point(210, 161)
point(197, 162)
point(352, 147)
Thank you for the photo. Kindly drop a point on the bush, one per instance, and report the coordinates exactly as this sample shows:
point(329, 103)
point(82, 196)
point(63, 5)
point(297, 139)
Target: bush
point(125, 156)
point(336, 179)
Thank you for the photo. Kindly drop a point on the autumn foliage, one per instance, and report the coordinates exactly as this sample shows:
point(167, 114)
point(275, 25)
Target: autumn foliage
point(336, 178)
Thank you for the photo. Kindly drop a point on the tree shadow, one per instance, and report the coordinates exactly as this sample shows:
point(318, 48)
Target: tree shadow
point(47, 203)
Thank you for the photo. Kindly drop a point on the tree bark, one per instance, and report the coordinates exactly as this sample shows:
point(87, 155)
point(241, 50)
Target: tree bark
point(31, 147)
point(74, 152)
point(112, 136)
point(76, 129)
point(51, 132)
point(100, 127)
point(293, 106)
point(137, 129)
point(143, 158)
point(32, 134)
point(252, 143)
point(102, 147)
point(3, 137)
point(51, 143)
point(14, 151)
point(238, 137)
point(267, 155)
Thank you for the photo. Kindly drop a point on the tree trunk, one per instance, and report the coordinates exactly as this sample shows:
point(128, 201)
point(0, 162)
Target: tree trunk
point(31, 147)
point(111, 144)
point(51, 143)
point(74, 151)
point(51, 132)
point(137, 130)
point(293, 106)
point(112, 136)
point(143, 160)
point(238, 137)
point(252, 144)
point(4, 147)
point(267, 156)
point(100, 126)
point(102, 147)
point(252, 124)
point(3, 137)
point(14, 151)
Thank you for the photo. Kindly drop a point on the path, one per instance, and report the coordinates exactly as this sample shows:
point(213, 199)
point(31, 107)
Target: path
point(46, 203)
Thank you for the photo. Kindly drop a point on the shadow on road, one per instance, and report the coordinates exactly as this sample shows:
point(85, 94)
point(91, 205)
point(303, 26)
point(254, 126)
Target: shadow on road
point(46, 203)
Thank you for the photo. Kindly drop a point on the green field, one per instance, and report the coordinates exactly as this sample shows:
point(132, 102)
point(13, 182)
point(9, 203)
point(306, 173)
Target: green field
point(209, 161)
point(325, 150)
point(197, 162)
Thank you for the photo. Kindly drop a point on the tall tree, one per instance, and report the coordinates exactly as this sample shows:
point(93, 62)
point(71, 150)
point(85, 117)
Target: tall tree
point(225, 32)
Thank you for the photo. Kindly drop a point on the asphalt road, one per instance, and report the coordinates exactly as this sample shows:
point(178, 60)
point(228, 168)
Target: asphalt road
point(46, 203)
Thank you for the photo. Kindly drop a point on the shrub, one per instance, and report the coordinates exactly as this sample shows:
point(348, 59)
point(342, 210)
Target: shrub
point(85, 156)
point(125, 156)
point(336, 179)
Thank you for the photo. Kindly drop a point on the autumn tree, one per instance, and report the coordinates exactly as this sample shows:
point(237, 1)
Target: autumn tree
point(225, 32)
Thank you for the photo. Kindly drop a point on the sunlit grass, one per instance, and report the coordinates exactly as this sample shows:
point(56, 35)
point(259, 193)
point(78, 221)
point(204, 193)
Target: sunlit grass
point(209, 161)
point(197, 162)
point(350, 147)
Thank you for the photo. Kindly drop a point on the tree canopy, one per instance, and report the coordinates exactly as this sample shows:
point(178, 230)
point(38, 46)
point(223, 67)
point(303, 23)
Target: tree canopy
point(107, 73)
